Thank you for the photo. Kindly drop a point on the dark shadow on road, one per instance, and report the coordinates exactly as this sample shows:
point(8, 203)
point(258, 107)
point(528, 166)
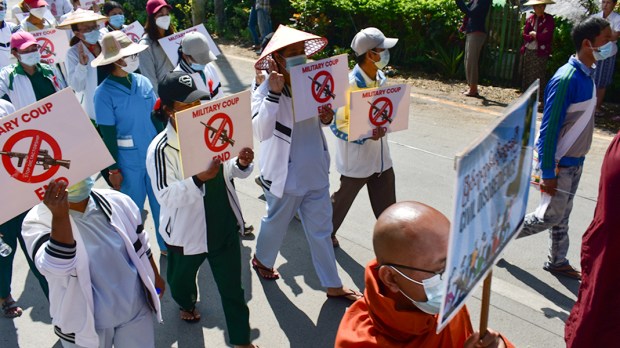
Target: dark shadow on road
point(352, 267)
point(550, 313)
point(539, 286)
point(33, 297)
point(8, 333)
point(489, 102)
point(571, 284)
point(234, 84)
point(297, 326)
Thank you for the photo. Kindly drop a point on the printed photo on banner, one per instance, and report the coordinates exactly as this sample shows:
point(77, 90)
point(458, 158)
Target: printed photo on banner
point(319, 85)
point(493, 180)
point(53, 45)
point(88, 4)
point(375, 108)
point(219, 128)
point(50, 139)
point(171, 43)
point(134, 31)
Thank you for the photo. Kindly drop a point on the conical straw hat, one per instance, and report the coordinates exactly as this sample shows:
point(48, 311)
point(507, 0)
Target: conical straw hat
point(285, 36)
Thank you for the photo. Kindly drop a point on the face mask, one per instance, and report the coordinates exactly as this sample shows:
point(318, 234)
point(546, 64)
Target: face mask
point(163, 22)
point(30, 59)
point(383, 60)
point(80, 191)
point(92, 37)
point(132, 64)
point(433, 288)
point(198, 67)
point(117, 21)
point(2, 15)
point(603, 52)
point(295, 61)
point(38, 12)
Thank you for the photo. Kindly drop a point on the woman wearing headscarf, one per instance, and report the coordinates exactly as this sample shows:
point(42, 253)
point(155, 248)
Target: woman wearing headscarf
point(200, 213)
point(537, 42)
point(123, 104)
point(154, 64)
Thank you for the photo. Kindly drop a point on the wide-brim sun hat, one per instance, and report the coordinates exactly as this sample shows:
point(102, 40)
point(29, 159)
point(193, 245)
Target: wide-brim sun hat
point(539, 2)
point(114, 46)
point(81, 16)
point(286, 36)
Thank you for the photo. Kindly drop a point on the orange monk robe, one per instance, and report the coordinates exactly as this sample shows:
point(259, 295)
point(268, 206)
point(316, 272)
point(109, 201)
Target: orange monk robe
point(374, 322)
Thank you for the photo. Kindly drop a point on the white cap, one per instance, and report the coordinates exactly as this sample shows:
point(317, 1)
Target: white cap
point(370, 38)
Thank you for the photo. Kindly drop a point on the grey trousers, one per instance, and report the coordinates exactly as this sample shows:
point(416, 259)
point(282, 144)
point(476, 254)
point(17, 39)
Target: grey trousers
point(473, 47)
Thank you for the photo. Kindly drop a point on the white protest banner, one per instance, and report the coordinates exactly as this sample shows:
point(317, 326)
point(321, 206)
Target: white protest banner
point(318, 85)
point(493, 180)
point(53, 45)
point(171, 43)
point(385, 107)
point(88, 4)
point(134, 31)
point(219, 128)
point(50, 139)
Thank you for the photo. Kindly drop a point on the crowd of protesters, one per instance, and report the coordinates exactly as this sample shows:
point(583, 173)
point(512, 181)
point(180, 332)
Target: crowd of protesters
point(94, 261)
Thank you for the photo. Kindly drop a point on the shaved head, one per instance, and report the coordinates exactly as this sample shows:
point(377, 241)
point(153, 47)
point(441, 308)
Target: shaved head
point(411, 233)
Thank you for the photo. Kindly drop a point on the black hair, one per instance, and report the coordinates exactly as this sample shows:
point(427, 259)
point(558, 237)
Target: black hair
point(109, 6)
point(107, 69)
point(361, 58)
point(588, 29)
point(152, 30)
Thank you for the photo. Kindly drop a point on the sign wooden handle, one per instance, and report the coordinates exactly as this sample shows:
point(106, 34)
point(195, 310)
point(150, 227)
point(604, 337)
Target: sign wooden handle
point(486, 302)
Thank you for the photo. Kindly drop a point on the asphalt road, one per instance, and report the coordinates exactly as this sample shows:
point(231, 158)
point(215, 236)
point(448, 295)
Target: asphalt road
point(528, 305)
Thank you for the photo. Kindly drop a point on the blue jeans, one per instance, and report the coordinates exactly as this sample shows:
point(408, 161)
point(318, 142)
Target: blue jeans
point(556, 216)
point(252, 23)
point(264, 22)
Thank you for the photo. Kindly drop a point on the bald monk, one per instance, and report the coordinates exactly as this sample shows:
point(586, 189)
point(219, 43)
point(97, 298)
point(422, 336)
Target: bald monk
point(403, 287)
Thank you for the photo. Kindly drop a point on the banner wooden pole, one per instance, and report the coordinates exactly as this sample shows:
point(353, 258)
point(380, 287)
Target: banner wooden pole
point(486, 302)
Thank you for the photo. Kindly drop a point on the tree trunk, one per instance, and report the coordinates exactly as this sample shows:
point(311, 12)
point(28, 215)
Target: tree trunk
point(220, 17)
point(198, 11)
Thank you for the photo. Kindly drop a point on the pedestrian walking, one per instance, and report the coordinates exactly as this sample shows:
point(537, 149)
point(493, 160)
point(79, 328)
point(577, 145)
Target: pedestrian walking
point(604, 72)
point(475, 35)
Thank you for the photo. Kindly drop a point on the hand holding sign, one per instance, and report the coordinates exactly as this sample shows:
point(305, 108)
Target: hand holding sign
point(246, 156)
point(211, 171)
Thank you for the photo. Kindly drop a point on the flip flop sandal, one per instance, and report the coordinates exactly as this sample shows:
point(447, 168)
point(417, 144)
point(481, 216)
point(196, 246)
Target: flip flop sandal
point(472, 95)
point(246, 230)
point(271, 274)
point(192, 316)
point(11, 309)
point(346, 295)
point(566, 271)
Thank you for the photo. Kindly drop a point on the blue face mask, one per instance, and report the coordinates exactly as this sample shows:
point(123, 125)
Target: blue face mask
point(433, 288)
point(603, 52)
point(81, 190)
point(2, 15)
point(295, 61)
point(92, 37)
point(117, 21)
point(198, 67)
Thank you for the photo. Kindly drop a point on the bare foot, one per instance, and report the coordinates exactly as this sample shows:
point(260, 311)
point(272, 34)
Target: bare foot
point(344, 293)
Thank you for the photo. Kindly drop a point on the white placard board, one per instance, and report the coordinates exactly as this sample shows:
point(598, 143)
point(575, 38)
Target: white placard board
point(492, 187)
point(318, 85)
point(50, 139)
point(171, 43)
point(88, 4)
point(134, 31)
point(386, 107)
point(54, 45)
point(219, 128)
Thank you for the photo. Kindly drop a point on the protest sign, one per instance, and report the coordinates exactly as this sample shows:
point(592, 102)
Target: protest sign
point(88, 4)
point(493, 176)
point(134, 31)
point(219, 128)
point(53, 45)
point(52, 138)
point(171, 43)
point(385, 107)
point(318, 85)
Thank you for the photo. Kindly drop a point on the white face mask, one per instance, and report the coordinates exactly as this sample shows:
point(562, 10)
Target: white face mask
point(38, 12)
point(383, 60)
point(163, 22)
point(132, 64)
point(30, 59)
point(433, 288)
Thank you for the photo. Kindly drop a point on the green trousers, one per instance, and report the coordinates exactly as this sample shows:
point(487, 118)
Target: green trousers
point(225, 261)
point(11, 233)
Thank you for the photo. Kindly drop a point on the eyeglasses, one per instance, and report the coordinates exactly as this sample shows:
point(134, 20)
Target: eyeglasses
point(413, 268)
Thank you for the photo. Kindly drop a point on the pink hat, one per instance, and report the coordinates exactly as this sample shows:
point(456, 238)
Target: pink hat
point(35, 3)
point(286, 36)
point(22, 40)
point(152, 6)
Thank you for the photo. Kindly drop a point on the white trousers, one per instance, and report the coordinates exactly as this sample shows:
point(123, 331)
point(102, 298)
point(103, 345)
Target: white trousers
point(315, 211)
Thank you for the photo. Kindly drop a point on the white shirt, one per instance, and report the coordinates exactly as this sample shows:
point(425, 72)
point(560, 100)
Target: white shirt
point(614, 22)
